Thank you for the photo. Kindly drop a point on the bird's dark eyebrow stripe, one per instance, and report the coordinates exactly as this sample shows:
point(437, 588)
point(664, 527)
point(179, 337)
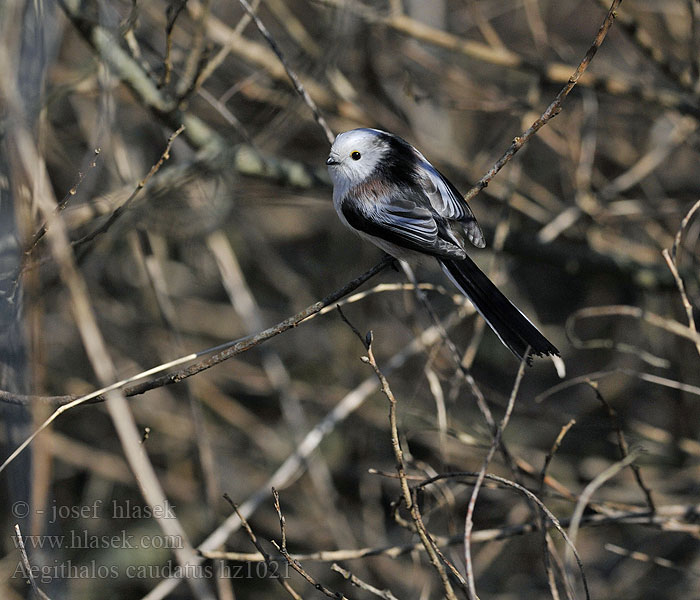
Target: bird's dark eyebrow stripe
point(398, 164)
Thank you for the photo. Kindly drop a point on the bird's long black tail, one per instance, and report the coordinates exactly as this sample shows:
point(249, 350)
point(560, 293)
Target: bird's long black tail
point(513, 328)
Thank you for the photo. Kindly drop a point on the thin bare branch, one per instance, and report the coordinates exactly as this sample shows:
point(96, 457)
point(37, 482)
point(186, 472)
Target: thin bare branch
point(552, 110)
point(223, 352)
point(121, 209)
point(532, 497)
point(469, 522)
point(295, 461)
point(591, 488)
point(656, 560)
point(665, 518)
point(93, 342)
point(27, 566)
point(408, 499)
point(356, 581)
point(300, 89)
point(64, 202)
point(173, 12)
point(295, 564)
point(261, 550)
point(622, 444)
point(548, 547)
point(651, 378)
point(671, 258)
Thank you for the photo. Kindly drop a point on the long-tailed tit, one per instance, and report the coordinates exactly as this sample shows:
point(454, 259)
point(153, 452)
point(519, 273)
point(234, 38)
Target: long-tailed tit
point(385, 189)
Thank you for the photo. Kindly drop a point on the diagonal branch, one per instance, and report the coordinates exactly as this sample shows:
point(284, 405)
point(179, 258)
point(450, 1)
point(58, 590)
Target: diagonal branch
point(231, 349)
point(552, 110)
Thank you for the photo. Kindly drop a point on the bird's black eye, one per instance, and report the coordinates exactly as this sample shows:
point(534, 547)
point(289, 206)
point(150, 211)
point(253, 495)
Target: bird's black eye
point(355, 155)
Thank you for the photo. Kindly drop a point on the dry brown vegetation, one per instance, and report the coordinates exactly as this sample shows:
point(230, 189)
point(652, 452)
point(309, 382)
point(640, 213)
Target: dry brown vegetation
point(194, 212)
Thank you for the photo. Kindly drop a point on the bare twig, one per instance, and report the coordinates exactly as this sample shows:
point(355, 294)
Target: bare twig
point(408, 499)
point(266, 557)
point(672, 262)
point(237, 346)
point(584, 379)
point(201, 12)
point(548, 553)
point(680, 130)
point(591, 488)
point(548, 73)
point(245, 344)
point(27, 565)
point(681, 230)
point(552, 110)
point(665, 518)
point(622, 444)
point(635, 312)
point(141, 184)
point(650, 46)
point(173, 12)
point(295, 461)
point(681, 289)
point(224, 352)
point(656, 560)
point(292, 75)
point(216, 151)
point(295, 564)
point(553, 450)
point(85, 319)
point(469, 523)
point(95, 397)
point(619, 346)
point(356, 581)
point(462, 369)
point(64, 202)
point(196, 57)
point(159, 285)
point(532, 498)
point(245, 304)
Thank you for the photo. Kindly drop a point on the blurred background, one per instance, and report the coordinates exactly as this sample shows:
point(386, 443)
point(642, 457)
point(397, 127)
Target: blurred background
point(234, 231)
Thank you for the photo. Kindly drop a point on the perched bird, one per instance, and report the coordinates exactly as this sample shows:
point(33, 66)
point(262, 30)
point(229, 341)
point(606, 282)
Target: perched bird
point(386, 190)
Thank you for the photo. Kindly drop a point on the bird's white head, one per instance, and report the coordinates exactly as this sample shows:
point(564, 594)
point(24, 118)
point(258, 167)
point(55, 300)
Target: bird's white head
point(354, 156)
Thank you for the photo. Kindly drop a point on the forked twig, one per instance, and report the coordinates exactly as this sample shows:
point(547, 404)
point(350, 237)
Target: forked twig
point(117, 212)
point(532, 497)
point(547, 538)
point(295, 564)
point(266, 557)
point(672, 262)
point(411, 505)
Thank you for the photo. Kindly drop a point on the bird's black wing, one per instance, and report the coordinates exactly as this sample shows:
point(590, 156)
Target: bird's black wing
point(448, 202)
point(402, 221)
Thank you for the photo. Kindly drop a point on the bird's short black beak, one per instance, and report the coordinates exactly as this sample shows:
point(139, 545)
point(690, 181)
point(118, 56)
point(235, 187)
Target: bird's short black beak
point(331, 161)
